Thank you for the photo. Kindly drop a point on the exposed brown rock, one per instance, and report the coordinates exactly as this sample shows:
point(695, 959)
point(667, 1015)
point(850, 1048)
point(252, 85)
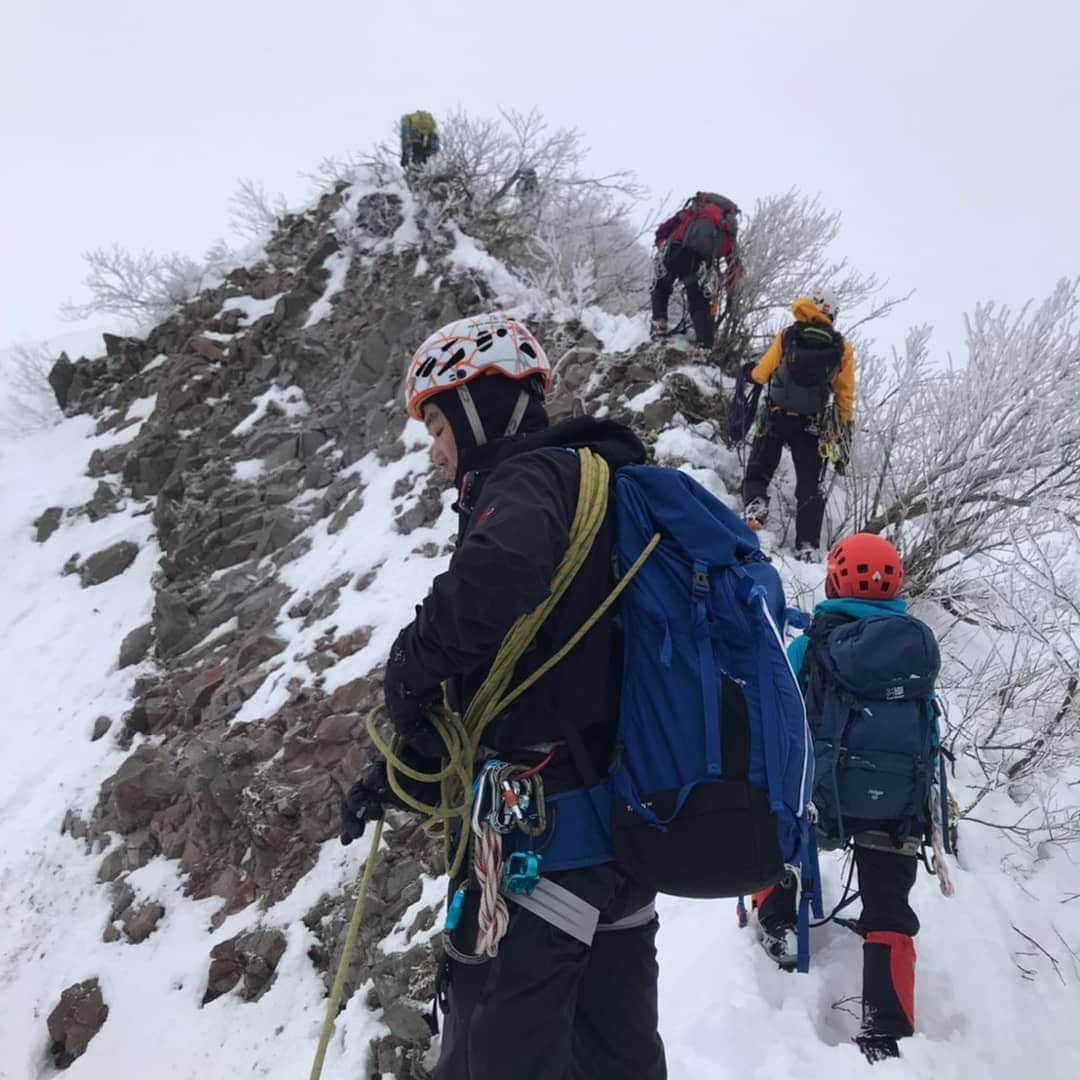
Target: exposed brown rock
point(48, 523)
point(78, 1017)
point(136, 645)
point(354, 695)
point(104, 565)
point(252, 956)
point(141, 921)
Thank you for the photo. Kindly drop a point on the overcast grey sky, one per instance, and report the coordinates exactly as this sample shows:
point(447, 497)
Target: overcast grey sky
point(946, 132)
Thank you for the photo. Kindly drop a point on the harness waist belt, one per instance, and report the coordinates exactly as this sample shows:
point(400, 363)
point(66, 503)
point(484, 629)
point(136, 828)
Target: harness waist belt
point(882, 841)
point(574, 916)
point(561, 908)
point(641, 917)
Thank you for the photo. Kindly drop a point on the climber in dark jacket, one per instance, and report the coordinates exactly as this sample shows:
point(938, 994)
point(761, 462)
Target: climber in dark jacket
point(546, 1006)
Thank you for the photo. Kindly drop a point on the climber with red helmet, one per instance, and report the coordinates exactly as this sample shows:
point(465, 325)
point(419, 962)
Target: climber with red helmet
point(805, 367)
point(549, 1003)
point(867, 670)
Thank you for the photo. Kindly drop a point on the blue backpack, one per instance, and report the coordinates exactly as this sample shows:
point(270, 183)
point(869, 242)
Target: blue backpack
point(713, 770)
point(872, 706)
point(708, 791)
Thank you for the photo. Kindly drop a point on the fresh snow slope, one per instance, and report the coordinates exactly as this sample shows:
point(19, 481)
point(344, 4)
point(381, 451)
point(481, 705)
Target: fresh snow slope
point(58, 649)
point(987, 1006)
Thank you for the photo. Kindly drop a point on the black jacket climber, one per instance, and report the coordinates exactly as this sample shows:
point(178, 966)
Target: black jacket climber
point(517, 503)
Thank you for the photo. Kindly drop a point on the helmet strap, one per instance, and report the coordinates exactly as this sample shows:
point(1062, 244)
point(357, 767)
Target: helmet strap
point(519, 411)
point(468, 407)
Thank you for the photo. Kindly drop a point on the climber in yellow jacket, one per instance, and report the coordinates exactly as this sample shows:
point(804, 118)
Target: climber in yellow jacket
point(419, 139)
point(805, 367)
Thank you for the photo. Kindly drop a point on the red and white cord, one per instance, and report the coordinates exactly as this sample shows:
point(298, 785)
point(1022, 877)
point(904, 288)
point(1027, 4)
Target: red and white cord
point(494, 916)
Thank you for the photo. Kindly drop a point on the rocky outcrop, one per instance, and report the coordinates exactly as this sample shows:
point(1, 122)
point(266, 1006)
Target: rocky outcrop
point(78, 1017)
point(48, 523)
point(136, 645)
point(104, 565)
point(250, 959)
point(246, 458)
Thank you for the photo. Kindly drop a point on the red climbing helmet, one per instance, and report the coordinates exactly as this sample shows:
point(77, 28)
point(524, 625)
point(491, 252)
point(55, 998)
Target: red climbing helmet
point(863, 566)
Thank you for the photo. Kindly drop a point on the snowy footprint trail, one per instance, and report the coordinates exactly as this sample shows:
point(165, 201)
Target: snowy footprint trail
point(727, 1010)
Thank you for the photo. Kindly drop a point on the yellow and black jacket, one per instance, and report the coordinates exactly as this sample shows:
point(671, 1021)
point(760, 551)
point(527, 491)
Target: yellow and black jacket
point(843, 382)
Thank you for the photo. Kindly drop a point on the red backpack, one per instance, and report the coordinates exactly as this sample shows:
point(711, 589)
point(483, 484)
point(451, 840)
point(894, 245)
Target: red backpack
point(707, 225)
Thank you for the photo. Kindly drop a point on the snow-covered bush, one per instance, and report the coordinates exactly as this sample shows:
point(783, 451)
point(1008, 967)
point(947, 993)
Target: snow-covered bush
point(27, 402)
point(955, 460)
point(143, 287)
point(523, 190)
point(785, 246)
point(146, 287)
point(1013, 683)
point(253, 213)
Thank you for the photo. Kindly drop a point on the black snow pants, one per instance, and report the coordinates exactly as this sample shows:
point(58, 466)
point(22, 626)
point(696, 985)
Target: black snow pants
point(786, 429)
point(548, 1007)
point(414, 153)
point(888, 925)
point(682, 264)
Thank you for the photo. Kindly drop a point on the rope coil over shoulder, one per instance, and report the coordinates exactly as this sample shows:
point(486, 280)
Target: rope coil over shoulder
point(462, 734)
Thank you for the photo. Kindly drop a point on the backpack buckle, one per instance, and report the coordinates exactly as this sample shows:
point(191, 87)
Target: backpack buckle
point(699, 580)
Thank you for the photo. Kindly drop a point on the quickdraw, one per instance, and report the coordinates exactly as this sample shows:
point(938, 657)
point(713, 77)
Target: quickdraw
point(830, 447)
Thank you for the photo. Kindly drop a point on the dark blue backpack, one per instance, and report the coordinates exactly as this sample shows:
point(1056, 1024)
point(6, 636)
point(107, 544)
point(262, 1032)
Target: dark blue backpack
point(876, 734)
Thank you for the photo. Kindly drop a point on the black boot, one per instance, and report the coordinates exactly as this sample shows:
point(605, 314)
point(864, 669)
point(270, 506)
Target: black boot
point(877, 1047)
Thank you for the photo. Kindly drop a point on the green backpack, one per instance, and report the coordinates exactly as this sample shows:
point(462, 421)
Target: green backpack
point(418, 127)
point(812, 356)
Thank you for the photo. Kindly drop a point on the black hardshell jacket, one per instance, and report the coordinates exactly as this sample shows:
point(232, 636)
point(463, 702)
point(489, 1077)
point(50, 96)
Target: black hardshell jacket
point(517, 505)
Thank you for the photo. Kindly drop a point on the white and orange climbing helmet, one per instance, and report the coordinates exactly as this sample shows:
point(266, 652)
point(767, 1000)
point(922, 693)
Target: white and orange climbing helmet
point(492, 344)
point(825, 301)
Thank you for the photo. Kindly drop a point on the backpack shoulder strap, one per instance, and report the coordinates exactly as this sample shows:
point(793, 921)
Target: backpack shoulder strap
point(815, 676)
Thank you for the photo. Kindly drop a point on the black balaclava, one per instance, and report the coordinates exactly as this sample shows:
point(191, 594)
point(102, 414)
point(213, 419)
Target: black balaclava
point(495, 398)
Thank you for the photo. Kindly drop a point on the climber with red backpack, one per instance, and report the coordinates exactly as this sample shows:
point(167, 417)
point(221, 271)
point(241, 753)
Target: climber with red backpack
point(703, 231)
point(807, 369)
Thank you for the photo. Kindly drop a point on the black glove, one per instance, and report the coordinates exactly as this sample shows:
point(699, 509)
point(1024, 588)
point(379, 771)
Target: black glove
point(747, 368)
point(364, 802)
point(409, 709)
point(409, 713)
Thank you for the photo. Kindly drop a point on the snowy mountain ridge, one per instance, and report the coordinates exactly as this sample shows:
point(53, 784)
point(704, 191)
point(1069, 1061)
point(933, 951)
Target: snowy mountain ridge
point(206, 563)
